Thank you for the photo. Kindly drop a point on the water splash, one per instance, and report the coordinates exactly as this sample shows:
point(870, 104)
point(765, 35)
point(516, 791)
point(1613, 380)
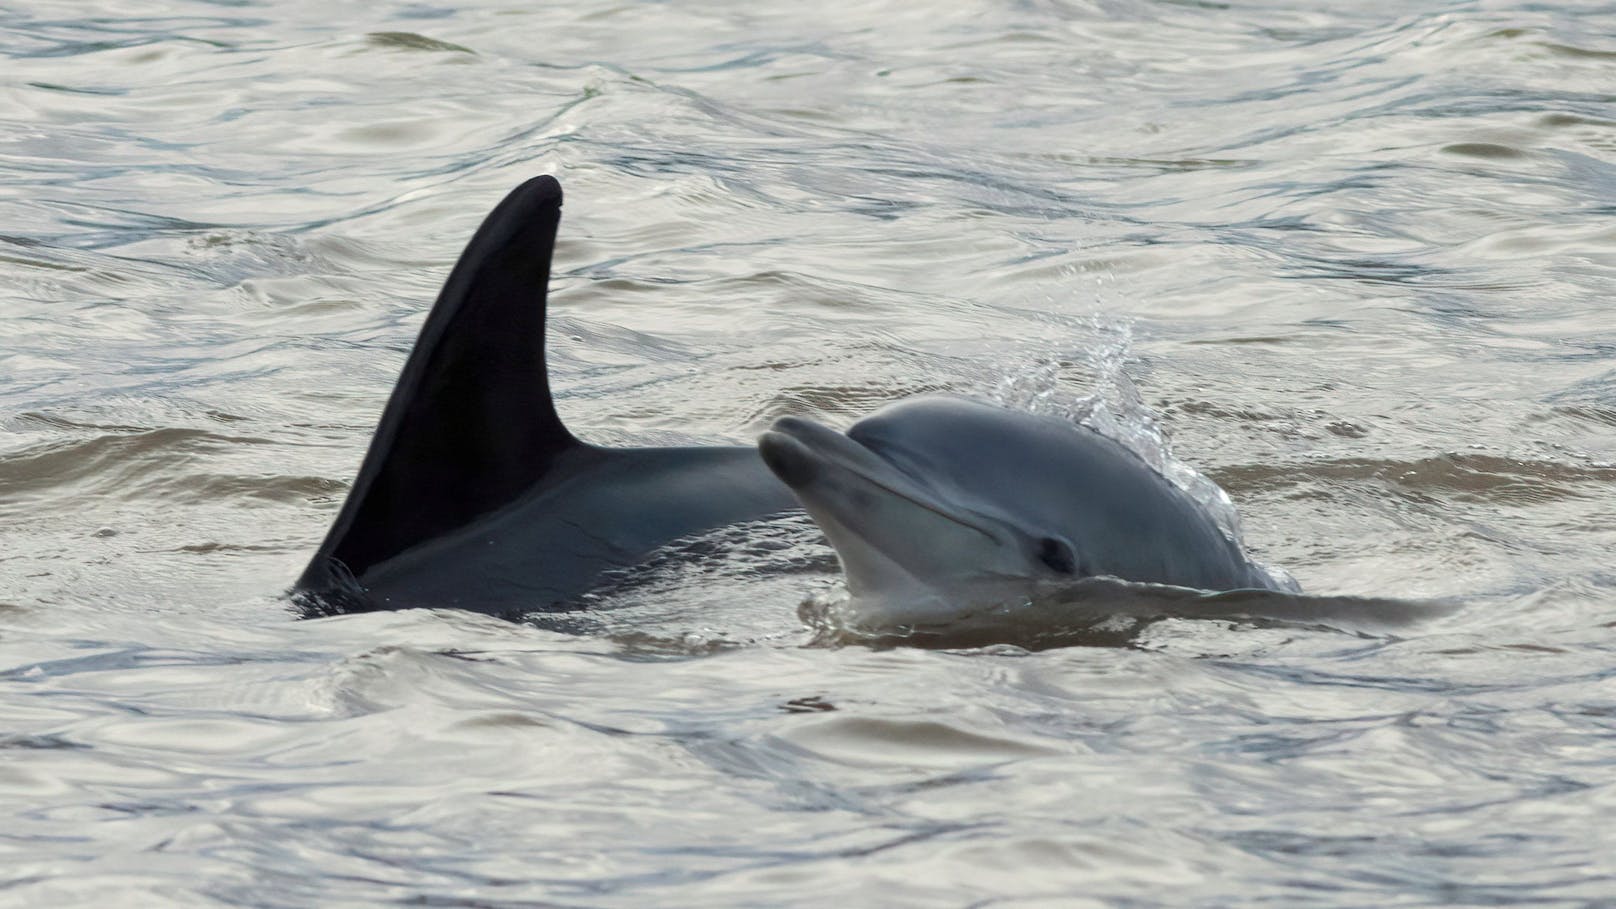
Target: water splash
point(1114, 408)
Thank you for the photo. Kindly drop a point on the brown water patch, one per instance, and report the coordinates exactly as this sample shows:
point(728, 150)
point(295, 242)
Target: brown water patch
point(1487, 150)
point(410, 41)
point(1470, 477)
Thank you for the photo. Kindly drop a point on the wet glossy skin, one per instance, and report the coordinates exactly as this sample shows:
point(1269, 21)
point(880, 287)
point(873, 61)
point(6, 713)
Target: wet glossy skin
point(938, 493)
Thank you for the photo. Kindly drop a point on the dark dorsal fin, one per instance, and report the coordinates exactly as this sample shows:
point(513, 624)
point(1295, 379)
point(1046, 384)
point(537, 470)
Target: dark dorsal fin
point(470, 425)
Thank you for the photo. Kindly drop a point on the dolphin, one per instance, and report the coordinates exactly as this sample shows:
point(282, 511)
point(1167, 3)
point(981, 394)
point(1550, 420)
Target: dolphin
point(474, 494)
point(937, 501)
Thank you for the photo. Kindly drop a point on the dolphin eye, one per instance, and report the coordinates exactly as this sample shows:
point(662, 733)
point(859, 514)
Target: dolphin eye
point(1057, 555)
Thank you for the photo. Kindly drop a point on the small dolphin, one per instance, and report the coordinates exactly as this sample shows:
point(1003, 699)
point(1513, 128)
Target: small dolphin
point(933, 502)
point(474, 495)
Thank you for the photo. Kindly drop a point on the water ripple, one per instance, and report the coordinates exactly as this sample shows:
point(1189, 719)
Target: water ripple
point(1354, 262)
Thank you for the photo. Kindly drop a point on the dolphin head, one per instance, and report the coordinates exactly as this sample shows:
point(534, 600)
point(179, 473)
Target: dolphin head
point(934, 502)
point(929, 498)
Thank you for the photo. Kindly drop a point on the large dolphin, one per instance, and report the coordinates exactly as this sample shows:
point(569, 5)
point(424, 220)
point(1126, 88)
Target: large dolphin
point(933, 502)
point(474, 495)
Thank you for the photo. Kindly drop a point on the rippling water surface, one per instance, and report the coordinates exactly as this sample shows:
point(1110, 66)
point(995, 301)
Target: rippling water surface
point(1356, 260)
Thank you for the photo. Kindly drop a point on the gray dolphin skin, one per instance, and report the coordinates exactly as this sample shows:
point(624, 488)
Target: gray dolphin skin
point(933, 499)
point(474, 495)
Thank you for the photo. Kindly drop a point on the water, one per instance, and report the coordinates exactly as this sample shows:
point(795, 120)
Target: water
point(1355, 259)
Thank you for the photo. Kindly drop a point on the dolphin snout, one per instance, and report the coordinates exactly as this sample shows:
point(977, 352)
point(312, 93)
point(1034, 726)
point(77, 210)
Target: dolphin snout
point(789, 459)
point(814, 435)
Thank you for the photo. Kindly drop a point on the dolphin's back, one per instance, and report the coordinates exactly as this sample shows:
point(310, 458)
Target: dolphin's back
point(600, 510)
point(473, 493)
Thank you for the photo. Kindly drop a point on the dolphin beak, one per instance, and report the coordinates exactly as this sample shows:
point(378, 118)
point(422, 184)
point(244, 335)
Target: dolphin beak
point(789, 459)
point(805, 455)
point(801, 452)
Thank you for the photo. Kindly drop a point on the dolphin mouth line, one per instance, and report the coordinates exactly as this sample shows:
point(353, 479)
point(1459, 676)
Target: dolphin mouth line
point(831, 448)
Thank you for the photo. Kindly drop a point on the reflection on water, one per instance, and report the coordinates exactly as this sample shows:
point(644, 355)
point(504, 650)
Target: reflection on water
point(1105, 612)
point(1354, 261)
